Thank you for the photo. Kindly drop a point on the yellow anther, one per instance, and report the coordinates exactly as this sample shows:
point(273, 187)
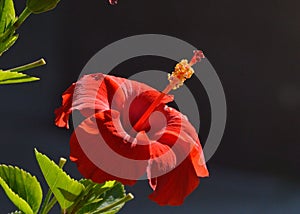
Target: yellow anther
point(183, 70)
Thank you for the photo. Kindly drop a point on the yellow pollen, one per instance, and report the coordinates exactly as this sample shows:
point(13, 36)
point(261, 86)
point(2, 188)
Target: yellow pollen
point(183, 71)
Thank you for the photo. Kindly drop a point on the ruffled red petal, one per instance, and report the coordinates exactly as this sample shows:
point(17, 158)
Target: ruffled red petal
point(62, 114)
point(95, 92)
point(100, 92)
point(100, 141)
point(173, 187)
point(182, 137)
point(161, 162)
point(88, 169)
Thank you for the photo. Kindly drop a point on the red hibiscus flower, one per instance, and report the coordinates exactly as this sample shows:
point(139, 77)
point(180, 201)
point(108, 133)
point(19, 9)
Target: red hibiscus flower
point(109, 145)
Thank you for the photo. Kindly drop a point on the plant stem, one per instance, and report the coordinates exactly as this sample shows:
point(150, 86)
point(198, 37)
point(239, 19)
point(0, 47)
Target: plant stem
point(46, 202)
point(23, 16)
point(50, 205)
point(35, 64)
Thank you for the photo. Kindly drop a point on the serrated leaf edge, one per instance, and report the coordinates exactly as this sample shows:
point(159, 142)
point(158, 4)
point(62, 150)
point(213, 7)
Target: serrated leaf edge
point(23, 171)
point(37, 153)
point(59, 168)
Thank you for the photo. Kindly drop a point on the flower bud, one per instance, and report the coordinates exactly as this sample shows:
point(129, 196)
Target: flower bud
point(41, 6)
point(113, 2)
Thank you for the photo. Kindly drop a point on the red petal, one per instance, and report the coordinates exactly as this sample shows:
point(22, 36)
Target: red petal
point(87, 168)
point(63, 113)
point(162, 161)
point(100, 148)
point(100, 92)
point(173, 187)
point(95, 92)
point(141, 103)
point(181, 136)
point(182, 139)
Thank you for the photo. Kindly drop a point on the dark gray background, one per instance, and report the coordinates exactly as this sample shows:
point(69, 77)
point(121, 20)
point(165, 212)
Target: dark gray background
point(253, 46)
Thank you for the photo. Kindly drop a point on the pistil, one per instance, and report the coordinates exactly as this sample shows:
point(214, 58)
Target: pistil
point(183, 71)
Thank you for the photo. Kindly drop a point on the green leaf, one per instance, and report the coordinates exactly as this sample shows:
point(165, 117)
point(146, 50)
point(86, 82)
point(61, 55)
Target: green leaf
point(58, 180)
point(108, 197)
point(68, 195)
point(7, 77)
point(38, 6)
point(111, 197)
point(7, 14)
point(21, 188)
point(7, 43)
point(7, 19)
